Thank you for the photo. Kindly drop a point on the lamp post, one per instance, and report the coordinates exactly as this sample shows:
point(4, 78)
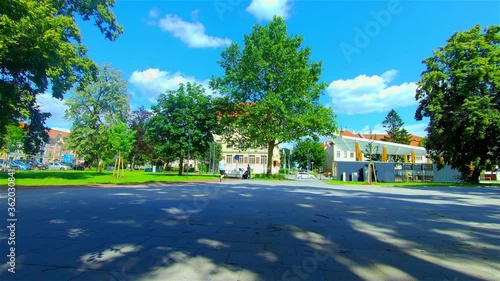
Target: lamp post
point(284, 162)
point(189, 145)
point(309, 158)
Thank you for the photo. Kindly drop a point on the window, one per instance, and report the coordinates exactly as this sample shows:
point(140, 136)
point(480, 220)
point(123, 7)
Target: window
point(263, 159)
point(251, 159)
point(240, 160)
point(352, 154)
point(345, 154)
point(338, 153)
point(229, 159)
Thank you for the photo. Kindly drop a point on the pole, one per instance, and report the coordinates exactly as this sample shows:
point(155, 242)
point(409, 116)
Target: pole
point(213, 159)
point(189, 144)
point(284, 162)
point(309, 158)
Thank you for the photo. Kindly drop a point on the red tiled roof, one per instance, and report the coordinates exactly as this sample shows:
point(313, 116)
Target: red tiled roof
point(55, 133)
point(52, 133)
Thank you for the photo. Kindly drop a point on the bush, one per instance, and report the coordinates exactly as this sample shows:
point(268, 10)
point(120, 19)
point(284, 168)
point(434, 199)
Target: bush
point(274, 176)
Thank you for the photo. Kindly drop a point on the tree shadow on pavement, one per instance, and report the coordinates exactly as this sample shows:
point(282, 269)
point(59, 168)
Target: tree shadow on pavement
point(254, 231)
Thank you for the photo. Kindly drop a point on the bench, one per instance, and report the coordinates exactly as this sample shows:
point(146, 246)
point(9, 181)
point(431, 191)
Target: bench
point(234, 174)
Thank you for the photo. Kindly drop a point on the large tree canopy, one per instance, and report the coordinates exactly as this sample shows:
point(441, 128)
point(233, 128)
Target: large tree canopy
point(272, 90)
point(141, 149)
point(183, 119)
point(94, 110)
point(40, 47)
point(458, 92)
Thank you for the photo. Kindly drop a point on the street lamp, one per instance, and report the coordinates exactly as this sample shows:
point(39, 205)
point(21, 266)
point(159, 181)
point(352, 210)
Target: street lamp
point(309, 158)
point(189, 146)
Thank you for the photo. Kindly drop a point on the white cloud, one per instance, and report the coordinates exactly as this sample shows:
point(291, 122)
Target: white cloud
point(365, 94)
point(152, 82)
point(191, 33)
point(377, 129)
point(417, 129)
point(57, 108)
point(266, 9)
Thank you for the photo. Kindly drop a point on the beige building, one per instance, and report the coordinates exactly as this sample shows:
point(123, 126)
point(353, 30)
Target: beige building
point(54, 150)
point(256, 158)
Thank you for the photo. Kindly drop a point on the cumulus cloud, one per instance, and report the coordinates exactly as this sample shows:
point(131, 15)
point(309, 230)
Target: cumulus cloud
point(266, 9)
point(417, 129)
point(366, 94)
point(55, 107)
point(152, 82)
point(191, 33)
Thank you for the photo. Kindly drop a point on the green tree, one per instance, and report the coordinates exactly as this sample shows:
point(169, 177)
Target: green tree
point(142, 150)
point(372, 152)
point(121, 140)
point(13, 138)
point(459, 93)
point(183, 119)
point(93, 110)
point(271, 90)
point(41, 46)
point(308, 152)
point(394, 128)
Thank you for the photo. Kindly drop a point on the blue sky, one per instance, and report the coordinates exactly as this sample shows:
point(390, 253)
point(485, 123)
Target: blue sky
point(372, 51)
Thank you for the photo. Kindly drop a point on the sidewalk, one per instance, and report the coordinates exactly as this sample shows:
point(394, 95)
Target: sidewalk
point(254, 230)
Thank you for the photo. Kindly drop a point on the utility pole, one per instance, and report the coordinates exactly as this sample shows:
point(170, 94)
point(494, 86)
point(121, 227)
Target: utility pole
point(284, 161)
point(189, 144)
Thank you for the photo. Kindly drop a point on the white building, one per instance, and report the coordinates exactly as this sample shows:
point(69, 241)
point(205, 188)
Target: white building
point(348, 146)
point(256, 158)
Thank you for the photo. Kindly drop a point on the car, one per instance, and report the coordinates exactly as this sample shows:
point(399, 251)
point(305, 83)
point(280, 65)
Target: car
point(303, 175)
point(69, 165)
point(78, 167)
point(18, 165)
point(37, 164)
point(57, 166)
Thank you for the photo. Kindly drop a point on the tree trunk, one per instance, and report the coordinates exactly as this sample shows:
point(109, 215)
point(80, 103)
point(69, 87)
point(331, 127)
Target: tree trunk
point(181, 166)
point(474, 178)
point(270, 149)
point(476, 172)
point(132, 164)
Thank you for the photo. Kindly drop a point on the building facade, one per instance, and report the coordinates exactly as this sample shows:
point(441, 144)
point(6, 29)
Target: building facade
point(256, 158)
point(354, 147)
point(55, 148)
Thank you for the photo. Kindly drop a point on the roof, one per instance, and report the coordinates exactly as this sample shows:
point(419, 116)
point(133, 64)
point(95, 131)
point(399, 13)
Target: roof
point(53, 134)
point(348, 143)
point(415, 140)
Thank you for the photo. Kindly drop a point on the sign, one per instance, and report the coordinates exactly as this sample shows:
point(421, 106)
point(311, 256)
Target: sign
point(67, 158)
point(236, 157)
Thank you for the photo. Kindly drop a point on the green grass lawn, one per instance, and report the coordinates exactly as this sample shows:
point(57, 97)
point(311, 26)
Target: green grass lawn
point(48, 178)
